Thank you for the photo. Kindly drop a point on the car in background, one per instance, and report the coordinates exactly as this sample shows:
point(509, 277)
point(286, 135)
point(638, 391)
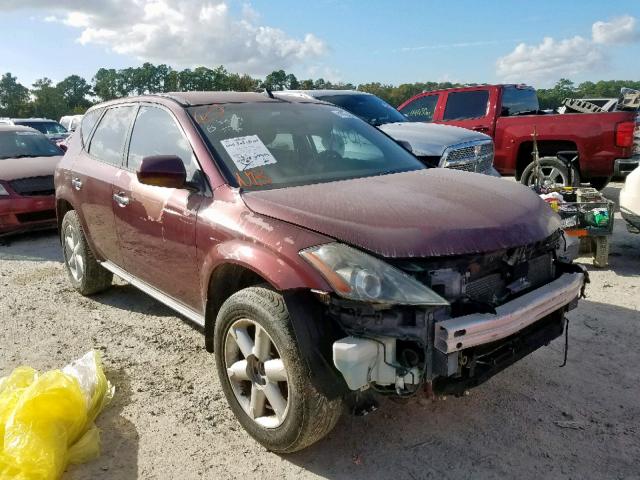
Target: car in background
point(630, 201)
point(510, 113)
point(50, 128)
point(27, 162)
point(320, 258)
point(434, 145)
point(71, 122)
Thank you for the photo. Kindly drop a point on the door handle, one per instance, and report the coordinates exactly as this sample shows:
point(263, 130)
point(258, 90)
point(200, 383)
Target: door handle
point(480, 128)
point(121, 199)
point(76, 182)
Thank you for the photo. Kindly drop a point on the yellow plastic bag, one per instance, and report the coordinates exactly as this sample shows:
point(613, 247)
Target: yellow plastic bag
point(46, 421)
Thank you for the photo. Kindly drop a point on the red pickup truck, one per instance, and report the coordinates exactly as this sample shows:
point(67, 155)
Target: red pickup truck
point(509, 114)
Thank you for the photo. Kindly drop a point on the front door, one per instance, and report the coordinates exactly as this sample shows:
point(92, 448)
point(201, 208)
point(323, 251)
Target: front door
point(156, 225)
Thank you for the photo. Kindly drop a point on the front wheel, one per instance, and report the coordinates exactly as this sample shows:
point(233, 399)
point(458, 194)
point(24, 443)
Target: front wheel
point(553, 173)
point(263, 375)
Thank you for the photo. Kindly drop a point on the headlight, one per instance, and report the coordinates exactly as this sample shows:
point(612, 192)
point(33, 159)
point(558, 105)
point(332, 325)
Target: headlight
point(357, 276)
point(3, 191)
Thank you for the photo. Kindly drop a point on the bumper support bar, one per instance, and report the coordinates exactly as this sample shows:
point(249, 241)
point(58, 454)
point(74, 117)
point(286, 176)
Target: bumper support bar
point(482, 328)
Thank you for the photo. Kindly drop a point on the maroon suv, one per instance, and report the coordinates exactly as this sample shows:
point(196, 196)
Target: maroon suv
point(320, 257)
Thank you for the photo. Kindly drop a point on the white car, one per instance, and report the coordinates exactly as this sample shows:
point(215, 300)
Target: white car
point(434, 145)
point(71, 122)
point(630, 201)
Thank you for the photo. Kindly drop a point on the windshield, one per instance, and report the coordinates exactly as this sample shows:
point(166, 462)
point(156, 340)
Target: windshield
point(26, 144)
point(267, 145)
point(368, 107)
point(519, 101)
point(48, 128)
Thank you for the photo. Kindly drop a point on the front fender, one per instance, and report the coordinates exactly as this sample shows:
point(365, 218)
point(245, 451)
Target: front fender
point(279, 270)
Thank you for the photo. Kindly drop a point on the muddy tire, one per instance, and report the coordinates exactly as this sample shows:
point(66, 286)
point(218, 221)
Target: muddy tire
point(85, 273)
point(554, 172)
point(599, 182)
point(264, 377)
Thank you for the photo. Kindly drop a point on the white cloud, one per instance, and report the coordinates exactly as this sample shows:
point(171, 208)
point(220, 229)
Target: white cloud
point(550, 59)
point(553, 59)
point(183, 32)
point(618, 30)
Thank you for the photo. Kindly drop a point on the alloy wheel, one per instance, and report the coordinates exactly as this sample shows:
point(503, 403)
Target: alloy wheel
point(549, 177)
point(257, 373)
point(73, 253)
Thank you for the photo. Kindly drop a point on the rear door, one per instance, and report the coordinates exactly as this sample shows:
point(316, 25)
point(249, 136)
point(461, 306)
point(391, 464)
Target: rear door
point(470, 109)
point(156, 225)
point(93, 173)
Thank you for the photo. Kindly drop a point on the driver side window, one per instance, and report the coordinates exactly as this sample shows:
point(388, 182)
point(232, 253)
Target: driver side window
point(155, 133)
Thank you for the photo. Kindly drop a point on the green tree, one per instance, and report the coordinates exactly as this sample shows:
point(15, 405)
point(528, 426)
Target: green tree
point(105, 84)
point(14, 97)
point(280, 80)
point(48, 101)
point(75, 90)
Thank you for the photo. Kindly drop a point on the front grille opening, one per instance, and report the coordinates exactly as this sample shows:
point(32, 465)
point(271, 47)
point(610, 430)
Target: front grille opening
point(36, 216)
point(33, 186)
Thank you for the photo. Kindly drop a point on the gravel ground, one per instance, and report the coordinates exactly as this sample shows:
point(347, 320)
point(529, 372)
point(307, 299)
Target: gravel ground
point(169, 418)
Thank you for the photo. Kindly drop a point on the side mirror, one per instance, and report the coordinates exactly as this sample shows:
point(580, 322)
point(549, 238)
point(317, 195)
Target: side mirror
point(162, 171)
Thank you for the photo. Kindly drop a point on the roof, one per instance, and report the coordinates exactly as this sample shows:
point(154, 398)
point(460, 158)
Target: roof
point(29, 119)
point(190, 99)
point(16, 128)
point(321, 93)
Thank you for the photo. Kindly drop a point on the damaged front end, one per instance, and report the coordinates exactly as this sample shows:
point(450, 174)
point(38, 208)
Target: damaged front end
point(483, 313)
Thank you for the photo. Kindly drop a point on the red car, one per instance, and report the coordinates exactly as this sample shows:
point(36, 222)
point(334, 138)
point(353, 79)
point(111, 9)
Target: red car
point(509, 114)
point(27, 162)
point(322, 259)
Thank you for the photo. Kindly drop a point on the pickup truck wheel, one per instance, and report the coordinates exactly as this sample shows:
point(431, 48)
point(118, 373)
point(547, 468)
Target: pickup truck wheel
point(599, 182)
point(263, 375)
point(554, 173)
point(85, 273)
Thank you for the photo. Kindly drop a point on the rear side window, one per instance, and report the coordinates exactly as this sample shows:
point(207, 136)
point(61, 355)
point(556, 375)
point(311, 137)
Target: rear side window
point(108, 140)
point(462, 105)
point(88, 122)
point(421, 109)
point(156, 133)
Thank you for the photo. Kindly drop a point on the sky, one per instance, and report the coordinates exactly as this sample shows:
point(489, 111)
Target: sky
point(351, 41)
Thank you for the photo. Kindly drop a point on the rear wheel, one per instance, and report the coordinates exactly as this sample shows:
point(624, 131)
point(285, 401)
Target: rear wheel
point(263, 376)
point(553, 173)
point(85, 273)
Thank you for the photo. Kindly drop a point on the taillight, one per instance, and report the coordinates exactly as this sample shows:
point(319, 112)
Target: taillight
point(624, 134)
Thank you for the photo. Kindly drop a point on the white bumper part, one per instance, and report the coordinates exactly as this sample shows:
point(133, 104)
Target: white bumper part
point(477, 329)
point(362, 361)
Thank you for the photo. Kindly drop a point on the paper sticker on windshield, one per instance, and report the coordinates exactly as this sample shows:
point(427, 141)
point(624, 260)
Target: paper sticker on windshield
point(342, 113)
point(248, 152)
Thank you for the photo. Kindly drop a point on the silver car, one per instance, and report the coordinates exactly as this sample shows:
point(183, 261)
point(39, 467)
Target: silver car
point(435, 145)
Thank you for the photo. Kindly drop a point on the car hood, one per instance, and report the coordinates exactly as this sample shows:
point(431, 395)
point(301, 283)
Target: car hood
point(430, 139)
point(423, 213)
point(14, 168)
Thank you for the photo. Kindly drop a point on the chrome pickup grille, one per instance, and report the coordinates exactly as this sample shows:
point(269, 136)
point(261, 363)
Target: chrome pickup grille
point(33, 186)
point(469, 157)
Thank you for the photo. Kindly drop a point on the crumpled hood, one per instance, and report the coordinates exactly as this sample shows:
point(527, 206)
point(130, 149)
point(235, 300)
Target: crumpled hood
point(422, 213)
point(430, 138)
point(14, 168)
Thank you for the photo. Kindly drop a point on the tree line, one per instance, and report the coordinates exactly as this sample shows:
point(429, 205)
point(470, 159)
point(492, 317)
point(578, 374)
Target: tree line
point(75, 94)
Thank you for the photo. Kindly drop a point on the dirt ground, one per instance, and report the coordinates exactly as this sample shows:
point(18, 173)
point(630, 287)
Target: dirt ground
point(169, 418)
